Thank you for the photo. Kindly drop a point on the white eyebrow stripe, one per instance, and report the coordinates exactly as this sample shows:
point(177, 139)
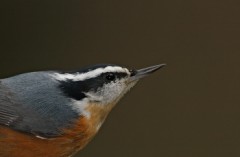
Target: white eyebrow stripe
point(89, 74)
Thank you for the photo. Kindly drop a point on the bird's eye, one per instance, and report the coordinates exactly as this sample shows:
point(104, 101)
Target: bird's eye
point(110, 77)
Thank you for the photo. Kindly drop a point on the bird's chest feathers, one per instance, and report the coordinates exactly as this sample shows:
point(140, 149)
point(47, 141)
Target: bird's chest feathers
point(90, 124)
point(97, 115)
point(73, 139)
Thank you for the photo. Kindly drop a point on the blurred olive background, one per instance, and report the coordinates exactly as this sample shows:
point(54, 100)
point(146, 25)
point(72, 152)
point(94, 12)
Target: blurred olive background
point(190, 108)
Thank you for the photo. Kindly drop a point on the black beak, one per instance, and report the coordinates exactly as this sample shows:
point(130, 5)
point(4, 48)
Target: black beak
point(136, 75)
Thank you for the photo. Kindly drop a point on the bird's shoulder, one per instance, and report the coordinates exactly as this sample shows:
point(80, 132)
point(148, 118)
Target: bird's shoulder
point(29, 103)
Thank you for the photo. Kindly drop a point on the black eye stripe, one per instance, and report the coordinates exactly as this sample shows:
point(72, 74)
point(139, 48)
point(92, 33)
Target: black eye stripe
point(76, 89)
point(116, 75)
point(133, 72)
point(110, 77)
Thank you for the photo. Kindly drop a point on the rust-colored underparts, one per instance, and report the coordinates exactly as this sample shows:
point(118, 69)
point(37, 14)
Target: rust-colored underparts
point(17, 144)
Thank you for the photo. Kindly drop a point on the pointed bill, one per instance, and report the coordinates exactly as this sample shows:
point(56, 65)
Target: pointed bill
point(138, 74)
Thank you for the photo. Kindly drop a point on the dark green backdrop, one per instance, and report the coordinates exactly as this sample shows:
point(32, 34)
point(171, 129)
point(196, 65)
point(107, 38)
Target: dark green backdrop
point(191, 108)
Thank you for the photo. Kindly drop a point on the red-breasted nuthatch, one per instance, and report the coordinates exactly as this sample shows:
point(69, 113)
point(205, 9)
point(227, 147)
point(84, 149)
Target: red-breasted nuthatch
point(54, 113)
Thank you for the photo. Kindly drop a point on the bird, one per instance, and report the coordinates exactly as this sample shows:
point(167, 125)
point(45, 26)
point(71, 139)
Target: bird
point(56, 113)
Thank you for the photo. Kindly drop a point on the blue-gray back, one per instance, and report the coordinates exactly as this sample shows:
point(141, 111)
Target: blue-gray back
point(33, 103)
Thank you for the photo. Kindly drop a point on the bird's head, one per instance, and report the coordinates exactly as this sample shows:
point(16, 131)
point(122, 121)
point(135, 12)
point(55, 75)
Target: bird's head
point(100, 84)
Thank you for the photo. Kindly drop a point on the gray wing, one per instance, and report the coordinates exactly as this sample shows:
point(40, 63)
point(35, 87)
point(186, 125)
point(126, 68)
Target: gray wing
point(8, 107)
point(31, 104)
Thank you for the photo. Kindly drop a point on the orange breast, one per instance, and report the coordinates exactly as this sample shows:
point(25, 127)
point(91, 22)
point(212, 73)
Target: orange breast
point(17, 144)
